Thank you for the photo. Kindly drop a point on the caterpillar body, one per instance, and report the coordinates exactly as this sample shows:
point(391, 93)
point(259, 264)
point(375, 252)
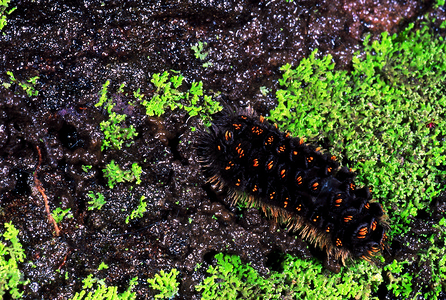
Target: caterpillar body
point(293, 182)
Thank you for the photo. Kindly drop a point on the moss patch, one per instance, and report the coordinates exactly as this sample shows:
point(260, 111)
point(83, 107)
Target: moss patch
point(386, 119)
point(299, 279)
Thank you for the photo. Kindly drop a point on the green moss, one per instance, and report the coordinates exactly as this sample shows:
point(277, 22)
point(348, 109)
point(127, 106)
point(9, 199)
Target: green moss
point(300, 279)
point(387, 118)
point(139, 211)
point(86, 168)
point(200, 54)
point(97, 201)
point(168, 94)
point(11, 254)
point(96, 289)
point(114, 134)
point(435, 258)
point(28, 86)
point(58, 214)
point(165, 283)
point(4, 12)
point(198, 50)
point(115, 174)
point(400, 283)
point(102, 266)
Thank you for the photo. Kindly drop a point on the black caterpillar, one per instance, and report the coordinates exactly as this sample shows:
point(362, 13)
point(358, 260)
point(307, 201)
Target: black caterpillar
point(294, 182)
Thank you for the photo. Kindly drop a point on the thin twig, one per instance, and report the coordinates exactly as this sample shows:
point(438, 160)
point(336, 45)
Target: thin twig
point(64, 260)
point(39, 187)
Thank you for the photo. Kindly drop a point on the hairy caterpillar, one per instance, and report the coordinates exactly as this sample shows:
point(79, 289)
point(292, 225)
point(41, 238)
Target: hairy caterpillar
point(294, 182)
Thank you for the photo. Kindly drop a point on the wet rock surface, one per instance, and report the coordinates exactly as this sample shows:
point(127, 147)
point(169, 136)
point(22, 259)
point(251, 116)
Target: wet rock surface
point(74, 49)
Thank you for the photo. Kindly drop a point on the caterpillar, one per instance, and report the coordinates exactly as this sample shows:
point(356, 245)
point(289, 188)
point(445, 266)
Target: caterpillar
point(294, 182)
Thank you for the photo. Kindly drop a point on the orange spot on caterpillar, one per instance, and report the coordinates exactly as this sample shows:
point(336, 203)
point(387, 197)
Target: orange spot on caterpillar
point(229, 166)
point(338, 201)
point(348, 219)
point(301, 141)
point(261, 118)
point(275, 125)
point(299, 180)
point(333, 157)
point(237, 126)
point(373, 225)
point(318, 149)
point(327, 229)
point(315, 186)
point(244, 117)
point(240, 150)
point(256, 130)
point(329, 169)
point(255, 189)
point(352, 186)
point(367, 205)
point(281, 149)
point(219, 148)
point(255, 162)
point(270, 165)
point(310, 159)
point(295, 152)
point(238, 182)
point(288, 134)
point(282, 173)
point(269, 140)
point(315, 219)
point(362, 232)
point(299, 207)
point(228, 135)
point(338, 242)
point(285, 204)
point(272, 195)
